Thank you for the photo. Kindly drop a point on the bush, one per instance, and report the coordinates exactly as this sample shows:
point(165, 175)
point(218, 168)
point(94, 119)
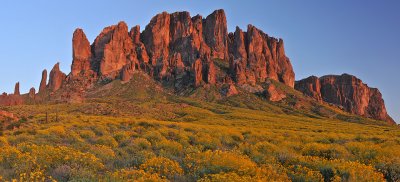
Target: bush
point(87, 134)
point(141, 143)
point(364, 153)
point(132, 175)
point(390, 168)
point(107, 141)
point(209, 162)
point(169, 148)
point(303, 173)
point(163, 167)
point(327, 151)
point(3, 142)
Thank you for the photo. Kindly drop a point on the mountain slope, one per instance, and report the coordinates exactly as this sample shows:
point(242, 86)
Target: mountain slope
point(134, 133)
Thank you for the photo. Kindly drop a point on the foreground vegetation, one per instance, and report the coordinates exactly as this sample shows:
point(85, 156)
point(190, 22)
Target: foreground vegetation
point(157, 138)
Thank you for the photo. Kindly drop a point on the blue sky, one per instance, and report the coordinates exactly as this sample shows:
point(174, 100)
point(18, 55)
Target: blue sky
point(359, 37)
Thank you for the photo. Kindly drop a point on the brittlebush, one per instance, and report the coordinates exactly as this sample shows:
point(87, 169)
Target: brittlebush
point(162, 166)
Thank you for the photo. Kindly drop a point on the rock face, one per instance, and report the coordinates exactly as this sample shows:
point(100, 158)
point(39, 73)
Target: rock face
point(56, 78)
point(199, 42)
point(310, 86)
point(216, 34)
point(156, 38)
point(229, 90)
point(11, 100)
point(273, 94)
point(127, 71)
point(254, 57)
point(32, 93)
point(81, 53)
point(177, 50)
point(346, 91)
point(112, 50)
point(198, 72)
point(141, 52)
point(16, 89)
point(43, 82)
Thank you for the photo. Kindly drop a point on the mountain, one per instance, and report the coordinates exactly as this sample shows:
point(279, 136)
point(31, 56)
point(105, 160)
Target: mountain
point(184, 100)
point(348, 92)
point(184, 53)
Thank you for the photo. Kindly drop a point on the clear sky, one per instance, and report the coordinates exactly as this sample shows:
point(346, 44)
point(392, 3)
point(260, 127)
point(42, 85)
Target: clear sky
point(359, 37)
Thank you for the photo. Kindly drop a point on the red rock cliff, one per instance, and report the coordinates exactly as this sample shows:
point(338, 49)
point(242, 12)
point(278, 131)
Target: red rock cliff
point(254, 57)
point(347, 91)
point(56, 78)
point(81, 53)
point(112, 50)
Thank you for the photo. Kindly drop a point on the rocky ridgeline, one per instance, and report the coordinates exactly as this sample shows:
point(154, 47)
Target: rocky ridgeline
point(181, 51)
point(348, 92)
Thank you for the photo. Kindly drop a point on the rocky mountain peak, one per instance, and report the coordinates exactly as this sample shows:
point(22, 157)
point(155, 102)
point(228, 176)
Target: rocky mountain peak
point(43, 82)
point(81, 53)
point(16, 89)
point(56, 78)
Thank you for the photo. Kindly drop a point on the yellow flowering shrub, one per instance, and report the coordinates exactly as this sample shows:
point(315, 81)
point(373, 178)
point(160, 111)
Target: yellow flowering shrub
point(3, 142)
point(107, 141)
point(303, 173)
point(36, 175)
point(87, 134)
point(169, 148)
point(14, 162)
point(132, 175)
point(105, 153)
point(226, 177)
point(153, 142)
point(215, 162)
point(327, 151)
point(341, 169)
point(354, 171)
point(365, 153)
point(141, 143)
point(163, 167)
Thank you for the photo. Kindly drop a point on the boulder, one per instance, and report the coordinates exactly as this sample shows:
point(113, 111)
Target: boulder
point(273, 94)
point(229, 90)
